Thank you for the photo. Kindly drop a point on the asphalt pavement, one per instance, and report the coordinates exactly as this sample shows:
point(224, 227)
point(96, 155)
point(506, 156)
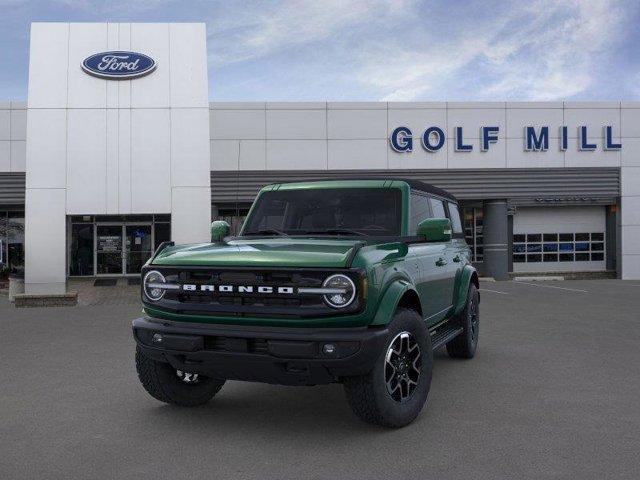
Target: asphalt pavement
point(553, 393)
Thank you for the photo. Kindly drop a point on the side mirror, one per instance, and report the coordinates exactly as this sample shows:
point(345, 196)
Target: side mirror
point(219, 230)
point(435, 229)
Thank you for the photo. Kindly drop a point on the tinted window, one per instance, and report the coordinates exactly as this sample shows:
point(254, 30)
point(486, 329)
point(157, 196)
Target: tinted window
point(372, 211)
point(437, 208)
point(419, 211)
point(454, 214)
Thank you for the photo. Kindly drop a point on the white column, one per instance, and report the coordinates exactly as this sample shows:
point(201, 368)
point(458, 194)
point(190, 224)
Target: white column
point(630, 224)
point(191, 214)
point(630, 191)
point(46, 167)
point(190, 156)
point(45, 241)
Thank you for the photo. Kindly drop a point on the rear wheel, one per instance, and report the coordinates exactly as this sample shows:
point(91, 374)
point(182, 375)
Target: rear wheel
point(176, 387)
point(393, 393)
point(465, 344)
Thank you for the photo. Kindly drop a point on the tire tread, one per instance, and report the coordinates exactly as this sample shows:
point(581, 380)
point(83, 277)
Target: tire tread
point(361, 390)
point(151, 376)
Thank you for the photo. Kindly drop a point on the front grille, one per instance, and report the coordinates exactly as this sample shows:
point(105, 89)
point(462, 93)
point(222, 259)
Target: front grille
point(237, 303)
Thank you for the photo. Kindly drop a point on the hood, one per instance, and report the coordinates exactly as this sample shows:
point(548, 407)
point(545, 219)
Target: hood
point(263, 252)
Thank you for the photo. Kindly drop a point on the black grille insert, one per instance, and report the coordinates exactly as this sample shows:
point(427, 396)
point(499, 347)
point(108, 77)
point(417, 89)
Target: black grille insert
point(239, 345)
point(233, 301)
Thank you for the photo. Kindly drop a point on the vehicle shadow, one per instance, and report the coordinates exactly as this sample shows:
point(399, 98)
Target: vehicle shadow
point(255, 407)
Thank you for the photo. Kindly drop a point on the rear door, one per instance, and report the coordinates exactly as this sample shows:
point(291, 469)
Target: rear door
point(448, 260)
point(460, 249)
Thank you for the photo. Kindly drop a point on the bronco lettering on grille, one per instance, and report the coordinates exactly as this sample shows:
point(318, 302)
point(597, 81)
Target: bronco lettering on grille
point(190, 287)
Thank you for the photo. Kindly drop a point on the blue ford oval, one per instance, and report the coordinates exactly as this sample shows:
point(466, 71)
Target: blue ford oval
point(118, 65)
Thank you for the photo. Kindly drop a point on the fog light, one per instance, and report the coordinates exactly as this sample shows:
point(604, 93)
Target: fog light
point(157, 338)
point(329, 348)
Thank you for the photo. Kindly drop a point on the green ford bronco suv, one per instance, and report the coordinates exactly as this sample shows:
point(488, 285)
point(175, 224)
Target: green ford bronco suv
point(352, 281)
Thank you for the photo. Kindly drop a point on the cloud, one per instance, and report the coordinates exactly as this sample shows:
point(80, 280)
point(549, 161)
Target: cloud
point(100, 7)
point(557, 57)
point(547, 50)
point(263, 28)
point(388, 50)
point(408, 50)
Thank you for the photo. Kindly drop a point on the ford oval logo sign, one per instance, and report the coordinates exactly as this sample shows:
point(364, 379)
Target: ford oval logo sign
point(118, 65)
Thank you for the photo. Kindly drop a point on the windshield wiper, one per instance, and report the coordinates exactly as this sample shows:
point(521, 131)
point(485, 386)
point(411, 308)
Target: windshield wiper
point(268, 231)
point(337, 231)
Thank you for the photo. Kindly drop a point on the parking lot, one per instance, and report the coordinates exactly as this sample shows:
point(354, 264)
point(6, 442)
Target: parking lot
point(553, 393)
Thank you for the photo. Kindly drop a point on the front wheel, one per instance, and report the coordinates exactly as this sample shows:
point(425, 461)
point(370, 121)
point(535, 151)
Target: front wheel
point(169, 385)
point(393, 393)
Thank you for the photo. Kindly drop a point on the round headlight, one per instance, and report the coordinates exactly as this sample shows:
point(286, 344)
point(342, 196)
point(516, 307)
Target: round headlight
point(150, 285)
point(344, 290)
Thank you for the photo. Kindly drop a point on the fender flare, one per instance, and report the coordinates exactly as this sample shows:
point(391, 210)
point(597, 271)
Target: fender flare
point(388, 304)
point(469, 275)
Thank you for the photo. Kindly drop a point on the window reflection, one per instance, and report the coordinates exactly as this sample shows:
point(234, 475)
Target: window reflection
point(572, 247)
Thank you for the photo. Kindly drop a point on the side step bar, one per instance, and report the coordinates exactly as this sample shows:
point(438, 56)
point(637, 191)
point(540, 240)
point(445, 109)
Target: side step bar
point(444, 334)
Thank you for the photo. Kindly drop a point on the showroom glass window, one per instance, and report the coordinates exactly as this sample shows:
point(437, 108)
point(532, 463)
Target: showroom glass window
point(4, 268)
point(473, 232)
point(114, 244)
point(12, 239)
point(81, 249)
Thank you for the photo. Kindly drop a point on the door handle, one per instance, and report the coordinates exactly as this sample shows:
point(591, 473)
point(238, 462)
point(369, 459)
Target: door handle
point(456, 259)
point(441, 262)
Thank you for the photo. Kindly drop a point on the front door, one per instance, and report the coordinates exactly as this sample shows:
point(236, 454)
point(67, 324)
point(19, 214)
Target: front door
point(435, 283)
point(138, 247)
point(109, 259)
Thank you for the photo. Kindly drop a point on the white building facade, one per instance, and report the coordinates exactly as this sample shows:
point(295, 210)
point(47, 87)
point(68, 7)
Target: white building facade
point(99, 170)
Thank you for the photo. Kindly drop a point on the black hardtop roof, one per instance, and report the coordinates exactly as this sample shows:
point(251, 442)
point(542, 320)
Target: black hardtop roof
point(427, 188)
point(413, 184)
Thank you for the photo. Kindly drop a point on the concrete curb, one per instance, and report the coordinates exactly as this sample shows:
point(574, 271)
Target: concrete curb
point(538, 279)
point(68, 299)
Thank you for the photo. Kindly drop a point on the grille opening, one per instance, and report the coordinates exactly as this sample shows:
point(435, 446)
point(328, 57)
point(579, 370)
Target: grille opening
point(228, 344)
point(246, 304)
point(243, 278)
point(199, 276)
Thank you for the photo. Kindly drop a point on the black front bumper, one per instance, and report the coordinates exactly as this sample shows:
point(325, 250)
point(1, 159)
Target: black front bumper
point(280, 355)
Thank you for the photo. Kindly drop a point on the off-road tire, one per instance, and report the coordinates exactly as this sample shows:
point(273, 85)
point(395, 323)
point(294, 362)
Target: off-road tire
point(465, 344)
point(367, 394)
point(160, 380)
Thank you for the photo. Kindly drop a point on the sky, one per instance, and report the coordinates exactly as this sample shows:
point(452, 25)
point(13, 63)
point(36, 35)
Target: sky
point(377, 50)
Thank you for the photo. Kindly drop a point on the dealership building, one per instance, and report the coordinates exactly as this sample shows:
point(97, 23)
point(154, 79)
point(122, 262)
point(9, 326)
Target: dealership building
point(118, 148)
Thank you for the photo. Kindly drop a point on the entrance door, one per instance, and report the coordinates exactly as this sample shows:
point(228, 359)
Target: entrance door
point(122, 249)
point(109, 258)
point(138, 247)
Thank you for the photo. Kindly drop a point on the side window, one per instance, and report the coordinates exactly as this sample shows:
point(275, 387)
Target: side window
point(437, 207)
point(419, 211)
point(454, 215)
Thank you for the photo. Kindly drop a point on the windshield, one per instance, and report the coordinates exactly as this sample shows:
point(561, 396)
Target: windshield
point(331, 211)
